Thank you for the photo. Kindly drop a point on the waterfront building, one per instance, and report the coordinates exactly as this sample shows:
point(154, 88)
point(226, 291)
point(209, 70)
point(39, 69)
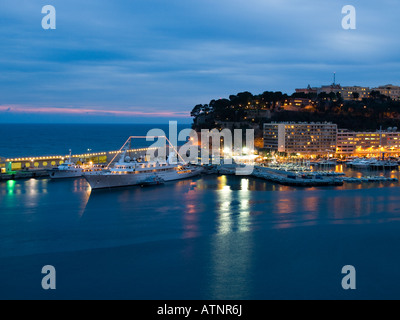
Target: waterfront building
point(50, 162)
point(368, 143)
point(301, 138)
point(3, 165)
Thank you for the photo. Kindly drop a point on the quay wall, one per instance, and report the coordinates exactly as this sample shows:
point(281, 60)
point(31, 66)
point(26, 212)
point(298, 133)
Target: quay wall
point(42, 163)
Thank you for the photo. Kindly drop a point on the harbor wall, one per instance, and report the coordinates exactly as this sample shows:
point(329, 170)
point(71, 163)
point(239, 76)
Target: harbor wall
point(43, 163)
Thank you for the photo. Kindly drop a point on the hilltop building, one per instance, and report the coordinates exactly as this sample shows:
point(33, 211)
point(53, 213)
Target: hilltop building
point(390, 91)
point(348, 92)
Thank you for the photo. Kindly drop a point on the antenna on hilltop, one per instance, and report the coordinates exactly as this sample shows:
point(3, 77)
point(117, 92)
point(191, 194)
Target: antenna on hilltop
point(334, 78)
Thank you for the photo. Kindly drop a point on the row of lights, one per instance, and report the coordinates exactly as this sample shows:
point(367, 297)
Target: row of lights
point(89, 155)
point(34, 159)
point(76, 156)
point(133, 150)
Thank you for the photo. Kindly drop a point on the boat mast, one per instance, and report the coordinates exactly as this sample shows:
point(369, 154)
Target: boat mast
point(380, 143)
point(144, 137)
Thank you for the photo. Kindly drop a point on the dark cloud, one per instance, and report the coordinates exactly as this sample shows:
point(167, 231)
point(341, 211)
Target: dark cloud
point(166, 56)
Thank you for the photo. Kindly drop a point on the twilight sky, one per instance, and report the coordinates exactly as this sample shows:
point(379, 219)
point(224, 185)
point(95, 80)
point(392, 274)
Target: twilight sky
point(151, 61)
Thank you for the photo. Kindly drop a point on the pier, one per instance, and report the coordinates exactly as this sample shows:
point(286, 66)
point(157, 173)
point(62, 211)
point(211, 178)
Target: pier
point(287, 178)
point(34, 167)
point(304, 178)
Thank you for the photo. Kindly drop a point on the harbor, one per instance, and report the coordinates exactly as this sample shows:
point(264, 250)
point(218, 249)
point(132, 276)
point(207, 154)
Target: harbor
point(296, 174)
point(305, 177)
point(41, 166)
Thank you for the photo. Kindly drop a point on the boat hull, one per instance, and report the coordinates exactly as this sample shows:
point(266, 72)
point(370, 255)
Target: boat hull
point(64, 174)
point(103, 181)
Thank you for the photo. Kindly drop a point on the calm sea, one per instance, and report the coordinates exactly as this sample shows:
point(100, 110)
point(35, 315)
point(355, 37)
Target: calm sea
point(212, 237)
point(26, 140)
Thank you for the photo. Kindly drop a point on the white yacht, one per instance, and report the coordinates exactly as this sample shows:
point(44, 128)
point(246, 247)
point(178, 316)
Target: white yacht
point(68, 169)
point(361, 163)
point(127, 172)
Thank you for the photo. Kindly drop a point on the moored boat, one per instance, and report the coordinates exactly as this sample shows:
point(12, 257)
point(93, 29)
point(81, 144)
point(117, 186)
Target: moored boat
point(128, 172)
point(68, 169)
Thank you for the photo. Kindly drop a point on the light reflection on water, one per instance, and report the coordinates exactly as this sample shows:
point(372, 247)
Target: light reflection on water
point(210, 224)
point(209, 205)
point(244, 199)
point(231, 260)
point(224, 210)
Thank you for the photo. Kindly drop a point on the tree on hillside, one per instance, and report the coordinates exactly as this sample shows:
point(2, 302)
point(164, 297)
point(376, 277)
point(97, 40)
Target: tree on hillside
point(244, 98)
point(332, 96)
point(339, 97)
point(374, 94)
point(323, 96)
point(300, 95)
point(222, 110)
point(197, 110)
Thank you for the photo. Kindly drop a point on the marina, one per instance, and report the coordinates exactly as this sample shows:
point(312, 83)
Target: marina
point(296, 176)
point(95, 169)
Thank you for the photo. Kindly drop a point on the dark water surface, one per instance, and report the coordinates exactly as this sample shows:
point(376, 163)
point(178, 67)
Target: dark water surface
point(213, 237)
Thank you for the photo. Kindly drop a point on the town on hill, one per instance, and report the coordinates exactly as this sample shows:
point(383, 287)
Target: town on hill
point(356, 108)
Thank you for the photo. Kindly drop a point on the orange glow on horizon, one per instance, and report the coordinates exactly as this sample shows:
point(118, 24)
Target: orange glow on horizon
point(87, 111)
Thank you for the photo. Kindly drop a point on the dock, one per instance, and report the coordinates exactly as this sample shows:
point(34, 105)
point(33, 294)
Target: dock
point(17, 175)
point(296, 180)
point(302, 179)
point(40, 166)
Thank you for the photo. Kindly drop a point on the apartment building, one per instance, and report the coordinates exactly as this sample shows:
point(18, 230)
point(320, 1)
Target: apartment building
point(303, 138)
point(350, 142)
